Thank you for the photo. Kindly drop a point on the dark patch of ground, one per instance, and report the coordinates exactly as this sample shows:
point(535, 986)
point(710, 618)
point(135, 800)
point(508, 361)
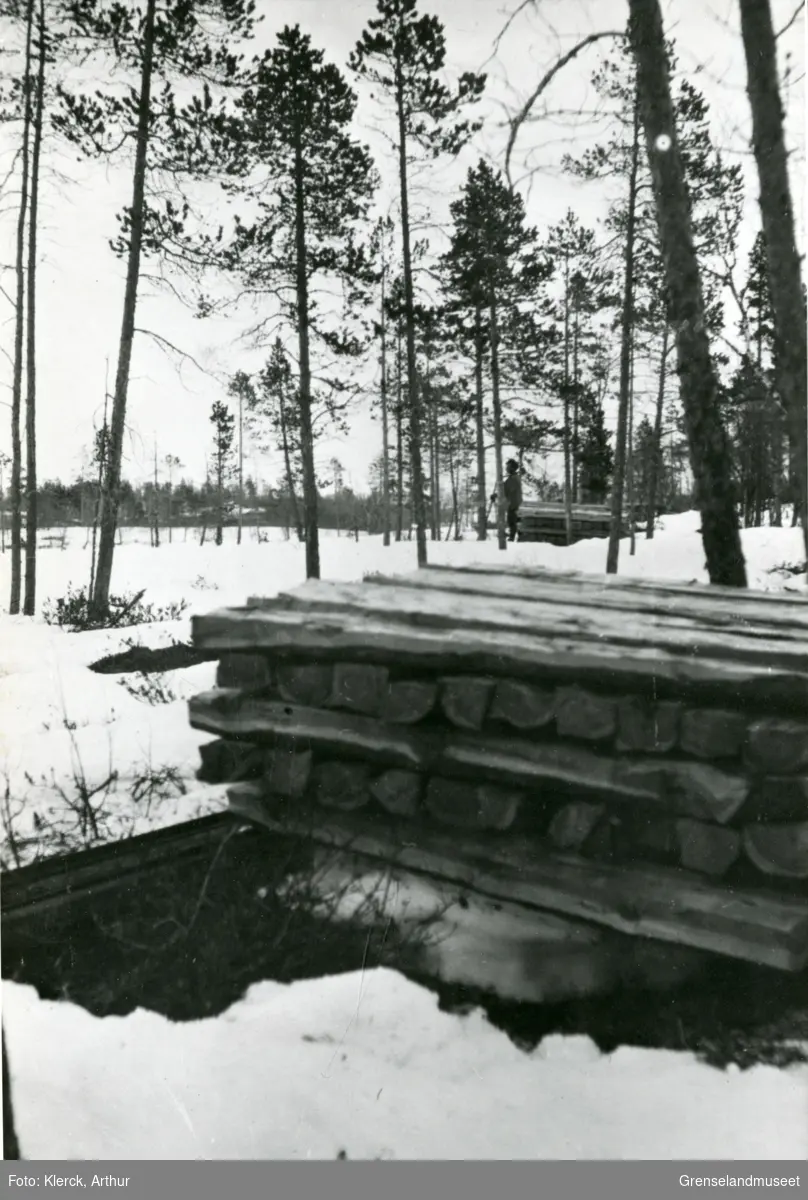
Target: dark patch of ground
point(188, 938)
point(730, 1013)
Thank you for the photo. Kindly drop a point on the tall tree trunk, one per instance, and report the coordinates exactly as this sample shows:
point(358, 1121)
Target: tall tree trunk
point(627, 327)
point(2, 510)
point(287, 463)
point(576, 435)
point(777, 218)
point(776, 509)
point(493, 321)
point(418, 508)
point(399, 444)
point(156, 499)
point(31, 522)
point(656, 444)
point(482, 492)
point(454, 471)
point(385, 420)
point(567, 437)
point(306, 430)
point(102, 466)
point(240, 467)
point(15, 489)
point(709, 450)
point(437, 467)
point(632, 545)
point(112, 477)
point(434, 534)
point(219, 535)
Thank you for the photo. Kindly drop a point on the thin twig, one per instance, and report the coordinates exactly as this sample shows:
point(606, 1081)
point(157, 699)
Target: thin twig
point(791, 19)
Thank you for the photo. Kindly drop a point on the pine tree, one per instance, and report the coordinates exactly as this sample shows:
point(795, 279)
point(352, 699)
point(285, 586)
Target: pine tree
point(48, 37)
point(528, 433)
point(455, 438)
point(492, 267)
point(381, 252)
point(716, 197)
point(642, 465)
point(596, 457)
point(709, 451)
point(754, 408)
point(159, 41)
point(467, 333)
point(271, 399)
point(777, 215)
point(403, 53)
point(312, 184)
point(568, 366)
point(25, 107)
point(37, 129)
point(224, 435)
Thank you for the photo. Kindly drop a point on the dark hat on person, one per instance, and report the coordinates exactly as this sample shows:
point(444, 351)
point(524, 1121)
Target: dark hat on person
point(512, 464)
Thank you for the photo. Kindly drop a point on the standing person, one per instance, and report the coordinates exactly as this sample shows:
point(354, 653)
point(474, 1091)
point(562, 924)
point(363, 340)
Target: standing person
point(512, 487)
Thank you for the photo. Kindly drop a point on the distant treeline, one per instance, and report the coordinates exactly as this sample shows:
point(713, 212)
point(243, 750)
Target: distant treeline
point(187, 505)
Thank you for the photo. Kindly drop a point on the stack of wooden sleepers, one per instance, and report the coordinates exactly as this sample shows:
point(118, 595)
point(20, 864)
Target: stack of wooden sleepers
point(633, 755)
point(544, 522)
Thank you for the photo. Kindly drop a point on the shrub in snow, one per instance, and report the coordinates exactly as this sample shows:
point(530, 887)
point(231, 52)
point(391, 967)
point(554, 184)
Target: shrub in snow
point(151, 689)
point(74, 611)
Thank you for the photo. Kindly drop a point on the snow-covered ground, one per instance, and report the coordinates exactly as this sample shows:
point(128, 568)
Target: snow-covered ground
point(365, 1064)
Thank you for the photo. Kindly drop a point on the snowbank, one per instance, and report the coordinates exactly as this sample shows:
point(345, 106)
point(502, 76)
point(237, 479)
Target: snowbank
point(366, 1063)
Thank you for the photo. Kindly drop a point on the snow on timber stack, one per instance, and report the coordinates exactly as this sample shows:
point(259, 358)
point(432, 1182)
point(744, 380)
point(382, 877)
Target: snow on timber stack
point(625, 755)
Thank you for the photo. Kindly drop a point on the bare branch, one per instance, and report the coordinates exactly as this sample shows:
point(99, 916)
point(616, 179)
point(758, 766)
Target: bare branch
point(791, 19)
point(170, 349)
point(517, 121)
point(498, 39)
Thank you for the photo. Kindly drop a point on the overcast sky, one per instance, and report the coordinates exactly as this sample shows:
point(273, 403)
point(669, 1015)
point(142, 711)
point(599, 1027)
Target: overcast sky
point(81, 282)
